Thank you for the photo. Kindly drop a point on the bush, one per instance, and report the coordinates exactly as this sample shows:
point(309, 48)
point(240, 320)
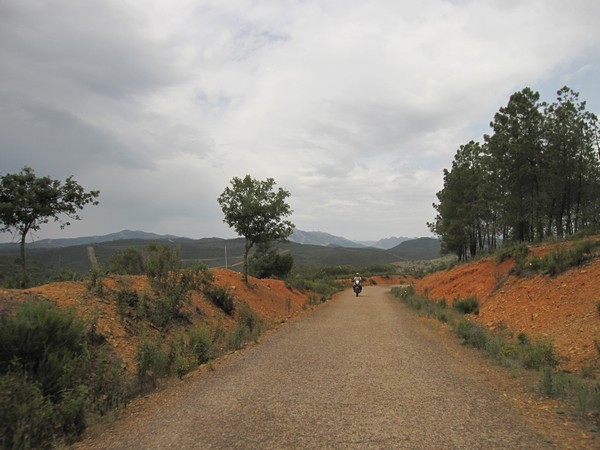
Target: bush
point(516, 251)
point(26, 415)
point(472, 333)
point(469, 305)
point(53, 373)
point(46, 348)
point(249, 327)
point(95, 282)
point(320, 280)
point(128, 262)
point(172, 284)
point(201, 344)
point(250, 321)
point(162, 310)
point(267, 263)
point(538, 354)
point(110, 385)
point(179, 361)
point(221, 297)
point(126, 299)
point(151, 359)
point(166, 273)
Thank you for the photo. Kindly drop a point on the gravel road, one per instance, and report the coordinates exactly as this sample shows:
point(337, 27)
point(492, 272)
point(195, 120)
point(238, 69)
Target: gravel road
point(356, 373)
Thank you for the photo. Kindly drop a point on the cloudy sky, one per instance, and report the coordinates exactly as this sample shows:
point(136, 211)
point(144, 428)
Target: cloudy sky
point(354, 106)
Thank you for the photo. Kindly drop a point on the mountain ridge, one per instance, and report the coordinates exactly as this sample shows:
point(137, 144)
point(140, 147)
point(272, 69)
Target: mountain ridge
point(318, 238)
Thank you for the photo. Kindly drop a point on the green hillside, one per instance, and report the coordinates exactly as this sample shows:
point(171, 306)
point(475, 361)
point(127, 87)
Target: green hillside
point(74, 261)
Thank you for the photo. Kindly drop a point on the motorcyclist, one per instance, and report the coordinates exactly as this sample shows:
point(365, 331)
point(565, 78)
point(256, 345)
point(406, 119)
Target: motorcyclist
point(357, 284)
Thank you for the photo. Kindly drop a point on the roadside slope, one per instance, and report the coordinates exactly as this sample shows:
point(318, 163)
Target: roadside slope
point(562, 308)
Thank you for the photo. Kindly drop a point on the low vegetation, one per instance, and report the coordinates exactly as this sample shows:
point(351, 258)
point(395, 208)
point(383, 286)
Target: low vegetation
point(57, 374)
point(54, 373)
point(558, 260)
point(61, 374)
point(515, 352)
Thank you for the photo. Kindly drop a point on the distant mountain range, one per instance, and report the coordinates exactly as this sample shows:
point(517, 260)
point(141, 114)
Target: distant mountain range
point(51, 257)
point(298, 236)
point(323, 239)
point(69, 242)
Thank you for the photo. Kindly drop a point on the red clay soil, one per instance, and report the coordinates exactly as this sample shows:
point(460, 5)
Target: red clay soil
point(562, 309)
point(271, 299)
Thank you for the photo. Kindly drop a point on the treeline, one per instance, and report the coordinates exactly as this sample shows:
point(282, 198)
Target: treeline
point(536, 176)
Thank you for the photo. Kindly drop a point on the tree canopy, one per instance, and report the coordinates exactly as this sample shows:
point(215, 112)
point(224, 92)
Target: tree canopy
point(536, 176)
point(27, 202)
point(256, 211)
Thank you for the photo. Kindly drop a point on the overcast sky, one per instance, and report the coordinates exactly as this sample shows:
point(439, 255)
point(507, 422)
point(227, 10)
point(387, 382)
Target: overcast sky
point(354, 106)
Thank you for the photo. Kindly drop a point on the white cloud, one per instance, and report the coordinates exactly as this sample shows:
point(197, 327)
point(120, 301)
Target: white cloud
point(159, 104)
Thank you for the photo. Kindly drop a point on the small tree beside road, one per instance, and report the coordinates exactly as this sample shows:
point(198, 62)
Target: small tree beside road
point(256, 211)
point(28, 201)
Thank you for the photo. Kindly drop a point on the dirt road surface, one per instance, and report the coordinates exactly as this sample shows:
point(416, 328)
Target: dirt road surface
point(356, 373)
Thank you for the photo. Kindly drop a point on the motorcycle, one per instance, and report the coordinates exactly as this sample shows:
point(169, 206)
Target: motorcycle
point(357, 287)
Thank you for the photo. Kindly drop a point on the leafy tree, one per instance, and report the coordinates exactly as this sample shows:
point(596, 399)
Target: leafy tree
point(572, 181)
point(516, 149)
point(536, 176)
point(267, 262)
point(256, 212)
point(130, 261)
point(28, 201)
point(460, 218)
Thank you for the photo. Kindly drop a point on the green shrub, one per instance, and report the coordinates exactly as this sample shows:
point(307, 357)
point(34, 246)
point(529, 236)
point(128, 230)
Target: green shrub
point(547, 382)
point(171, 282)
point(442, 317)
point(495, 348)
point(201, 344)
point(523, 338)
point(268, 263)
point(26, 414)
point(95, 282)
point(167, 275)
point(47, 348)
point(235, 338)
point(250, 321)
point(126, 299)
point(152, 361)
point(53, 373)
point(248, 327)
point(313, 299)
point(221, 297)
point(42, 340)
point(180, 360)
point(320, 280)
point(110, 385)
point(164, 309)
point(472, 333)
point(469, 305)
point(403, 292)
point(516, 251)
point(128, 262)
point(538, 354)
